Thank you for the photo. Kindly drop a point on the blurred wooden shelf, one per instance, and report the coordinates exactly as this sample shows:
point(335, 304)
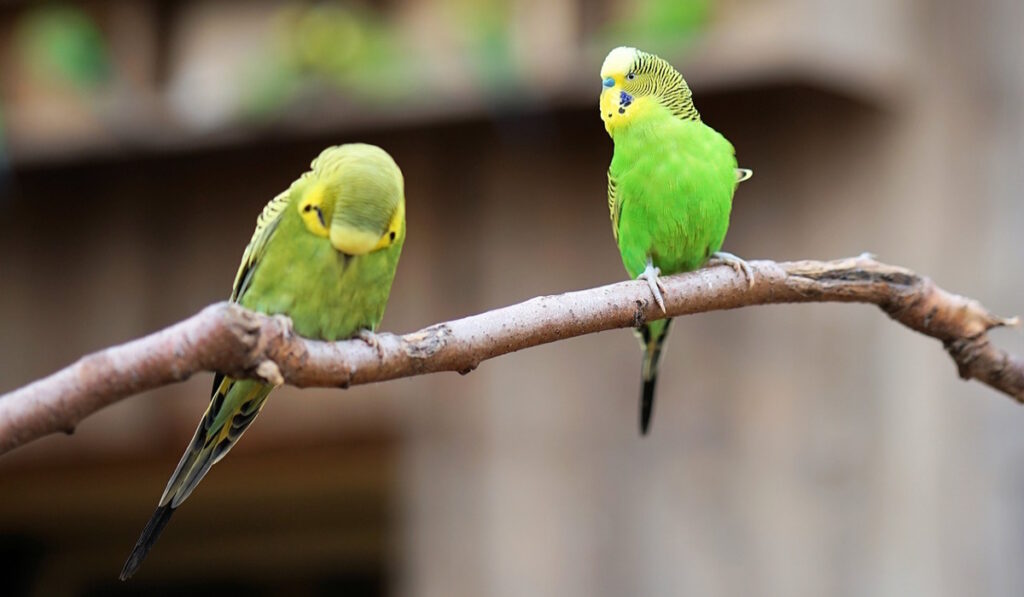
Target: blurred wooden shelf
point(742, 59)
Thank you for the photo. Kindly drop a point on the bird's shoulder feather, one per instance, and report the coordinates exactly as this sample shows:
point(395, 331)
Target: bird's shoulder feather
point(614, 204)
point(266, 224)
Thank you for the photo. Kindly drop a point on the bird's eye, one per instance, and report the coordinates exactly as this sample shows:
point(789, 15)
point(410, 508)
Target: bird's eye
point(631, 76)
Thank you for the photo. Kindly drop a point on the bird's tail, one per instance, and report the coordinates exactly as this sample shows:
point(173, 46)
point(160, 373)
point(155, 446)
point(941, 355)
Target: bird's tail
point(233, 407)
point(146, 540)
point(652, 339)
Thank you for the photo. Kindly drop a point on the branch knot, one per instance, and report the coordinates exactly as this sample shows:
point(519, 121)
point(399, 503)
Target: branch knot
point(427, 342)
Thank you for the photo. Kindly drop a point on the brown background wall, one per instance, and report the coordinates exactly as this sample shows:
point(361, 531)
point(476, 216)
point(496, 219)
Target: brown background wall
point(802, 450)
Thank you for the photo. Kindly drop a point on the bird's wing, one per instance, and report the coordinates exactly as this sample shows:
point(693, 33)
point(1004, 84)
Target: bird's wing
point(266, 223)
point(233, 405)
point(231, 408)
point(614, 204)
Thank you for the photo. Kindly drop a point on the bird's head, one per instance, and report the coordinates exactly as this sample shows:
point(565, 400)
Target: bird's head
point(354, 195)
point(633, 83)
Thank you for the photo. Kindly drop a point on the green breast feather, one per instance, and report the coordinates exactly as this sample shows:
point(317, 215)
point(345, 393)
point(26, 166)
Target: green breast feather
point(673, 183)
point(328, 295)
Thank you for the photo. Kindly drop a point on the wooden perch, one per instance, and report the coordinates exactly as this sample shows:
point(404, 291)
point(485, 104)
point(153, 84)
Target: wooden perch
point(225, 337)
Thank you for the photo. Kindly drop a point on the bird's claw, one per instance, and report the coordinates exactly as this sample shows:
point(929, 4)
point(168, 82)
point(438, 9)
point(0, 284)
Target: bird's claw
point(737, 264)
point(650, 275)
point(371, 339)
point(286, 324)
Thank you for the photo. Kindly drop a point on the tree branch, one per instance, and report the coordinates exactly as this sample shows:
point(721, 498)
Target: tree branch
point(225, 337)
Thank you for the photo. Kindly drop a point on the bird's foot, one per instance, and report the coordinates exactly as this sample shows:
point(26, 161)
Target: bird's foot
point(286, 324)
point(737, 264)
point(371, 339)
point(650, 275)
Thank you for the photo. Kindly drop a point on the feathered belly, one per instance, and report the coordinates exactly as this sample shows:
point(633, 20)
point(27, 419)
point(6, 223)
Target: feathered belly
point(675, 210)
point(327, 295)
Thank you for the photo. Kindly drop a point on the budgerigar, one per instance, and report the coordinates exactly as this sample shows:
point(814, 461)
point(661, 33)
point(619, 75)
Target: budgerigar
point(324, 254)
point(670, 185)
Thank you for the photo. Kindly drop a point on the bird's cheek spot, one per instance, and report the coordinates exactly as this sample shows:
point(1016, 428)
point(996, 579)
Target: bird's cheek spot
point(625, 100)
point(392, 235)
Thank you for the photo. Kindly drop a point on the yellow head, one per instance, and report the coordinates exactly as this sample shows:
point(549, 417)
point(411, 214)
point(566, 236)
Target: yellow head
point(354, 196)
point(634, 82)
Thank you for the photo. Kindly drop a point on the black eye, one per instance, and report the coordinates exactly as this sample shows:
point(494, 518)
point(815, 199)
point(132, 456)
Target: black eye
point(307, 208)
point(631, 76)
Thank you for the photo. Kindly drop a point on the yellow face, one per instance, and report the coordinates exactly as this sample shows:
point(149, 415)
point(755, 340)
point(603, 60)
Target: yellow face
point(313, 209)
point(635, 85)
point(619, 87)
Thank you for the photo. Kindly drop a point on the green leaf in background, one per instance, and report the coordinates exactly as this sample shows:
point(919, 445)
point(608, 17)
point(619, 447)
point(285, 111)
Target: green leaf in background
point(487, 44)
point(62, 43)
point(348, 48)
point(660, 25)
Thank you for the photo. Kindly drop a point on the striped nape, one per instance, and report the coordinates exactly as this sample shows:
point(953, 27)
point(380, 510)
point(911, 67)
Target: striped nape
point(666, 84)
point(266, 223)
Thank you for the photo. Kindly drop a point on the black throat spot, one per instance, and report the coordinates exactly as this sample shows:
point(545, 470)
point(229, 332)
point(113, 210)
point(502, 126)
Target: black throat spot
point(625, 100)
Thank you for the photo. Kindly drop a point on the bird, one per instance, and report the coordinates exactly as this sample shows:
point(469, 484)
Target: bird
point(324, 255)
point(670, 186)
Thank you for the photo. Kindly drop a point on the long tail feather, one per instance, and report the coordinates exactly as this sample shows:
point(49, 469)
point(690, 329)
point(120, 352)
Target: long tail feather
point(149, 535)
point(652, 339)
point(233, 407)
point(646, 405)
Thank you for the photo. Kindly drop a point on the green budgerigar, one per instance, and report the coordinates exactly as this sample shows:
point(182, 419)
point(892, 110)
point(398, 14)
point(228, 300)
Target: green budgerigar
point(670, 185)
point(324, 254)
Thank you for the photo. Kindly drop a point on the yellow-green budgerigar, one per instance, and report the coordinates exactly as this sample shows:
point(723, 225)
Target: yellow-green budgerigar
point(324, 254)
point(670, 185)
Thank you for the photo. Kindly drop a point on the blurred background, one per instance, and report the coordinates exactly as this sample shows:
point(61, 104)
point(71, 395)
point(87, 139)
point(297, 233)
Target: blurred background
point(806, 450)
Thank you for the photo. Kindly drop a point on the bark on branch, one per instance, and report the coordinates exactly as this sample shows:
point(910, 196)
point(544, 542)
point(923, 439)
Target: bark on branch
point(225, 337)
